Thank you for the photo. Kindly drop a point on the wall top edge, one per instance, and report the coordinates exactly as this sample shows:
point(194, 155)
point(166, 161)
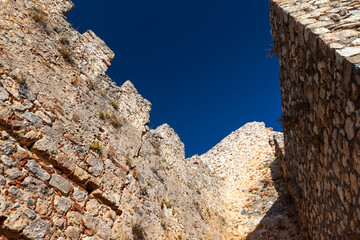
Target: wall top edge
point(337, 23)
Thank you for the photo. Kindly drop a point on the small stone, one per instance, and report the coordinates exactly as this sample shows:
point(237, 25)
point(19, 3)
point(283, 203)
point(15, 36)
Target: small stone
point(81, 174)
point(354, 183)
point(61, 183)
point(32, 118)
point(74, 217)
point(349, 128)
point(37, 170)
point(49, 144)
point(2, 181)
point(336, 45)
point(356, 42)
point(3, 206)
point(15, 192)
point(357, 123)
point(62, 204)
point(13, 173)
point(349, 51)
point(79, 195)
point(59, 222)
point(30, 202)
point(91, 222)
point(7, 148)
point(37, 229)
point(350, 107)
point(4, 95)
point(42, 206)
point(93, 207)
point(16, 205)
point(96, 165)
point(51, 134)
point(73, 232)
point(45, 146)
point(65, 162)
point(7, 161)
point(17, 221)
point(104, 229)
point(45, 118)
point(21, 154)
point(30, 214)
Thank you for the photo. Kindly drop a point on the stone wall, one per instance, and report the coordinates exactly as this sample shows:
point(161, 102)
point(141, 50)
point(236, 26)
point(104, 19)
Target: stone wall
point(318, 46)
point(77, 159)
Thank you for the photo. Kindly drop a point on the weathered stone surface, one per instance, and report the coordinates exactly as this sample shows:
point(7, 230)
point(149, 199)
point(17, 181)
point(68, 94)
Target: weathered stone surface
point(4, 95)
point(81, 174)
point(96, 165)
point(320, 101)
point(13, 173)
point(79, 195)
point(32, 118)
point(37, 170)
point(73, 232)
point(37, 229)
point(62, 204)
point(90, 166)
point(60, 183)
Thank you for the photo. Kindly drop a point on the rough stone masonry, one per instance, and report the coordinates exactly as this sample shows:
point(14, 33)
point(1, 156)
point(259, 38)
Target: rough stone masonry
point(78, 161)
point(318, 45)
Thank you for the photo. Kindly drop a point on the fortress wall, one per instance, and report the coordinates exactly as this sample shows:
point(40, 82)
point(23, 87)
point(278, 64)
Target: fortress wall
point(318, 45)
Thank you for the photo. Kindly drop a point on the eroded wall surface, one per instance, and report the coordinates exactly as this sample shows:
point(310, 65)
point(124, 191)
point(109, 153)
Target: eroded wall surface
point(77, 160)
point(318, 45)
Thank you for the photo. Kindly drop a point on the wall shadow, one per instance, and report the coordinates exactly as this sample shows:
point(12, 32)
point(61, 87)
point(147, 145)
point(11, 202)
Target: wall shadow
point(281, 221)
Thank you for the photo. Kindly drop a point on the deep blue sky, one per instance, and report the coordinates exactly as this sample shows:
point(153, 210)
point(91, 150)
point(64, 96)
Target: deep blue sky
point(201, 63)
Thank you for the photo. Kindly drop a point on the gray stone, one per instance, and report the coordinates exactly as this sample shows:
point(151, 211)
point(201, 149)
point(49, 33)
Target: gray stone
point(349, 51)
point(51, 134)
point(96, 165)
point(32, 118)
point(34, 167)
point(15, 192)
point(73, 232)
point(79, 195)
point(2, 181)
point(13, 173)
point(7, 148)
point(93, 206)
point(30, 214)
point(74, 217)
point(25, 93)
point(4, 95)
point(104, 229)
point(7, 161)
point(45, 146)
point(91, 222)
point(37, 229)
point(61, 183)
point(62, 204)
point(44, 117)
point(3, 205)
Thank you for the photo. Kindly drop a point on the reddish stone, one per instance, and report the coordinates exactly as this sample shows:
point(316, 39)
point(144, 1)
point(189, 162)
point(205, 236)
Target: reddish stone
point(21, 154)
point(88, 232)
point(65, 163)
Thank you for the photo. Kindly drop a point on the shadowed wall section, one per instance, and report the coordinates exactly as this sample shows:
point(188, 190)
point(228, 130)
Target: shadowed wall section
point(318, 46)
